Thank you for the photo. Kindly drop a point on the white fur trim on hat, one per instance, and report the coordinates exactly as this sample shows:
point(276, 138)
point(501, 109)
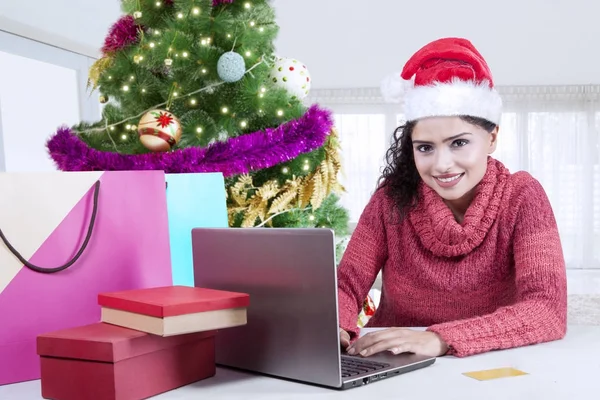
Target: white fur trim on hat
point(453, 99)
point(393, 88)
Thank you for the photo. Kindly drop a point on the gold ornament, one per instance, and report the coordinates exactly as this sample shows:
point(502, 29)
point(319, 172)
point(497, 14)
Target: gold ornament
point(137, 14)
point(137, 58)
point(103, 98)
point(96, 70)
point(298, 193)
point(159, 130)
point(168, 62)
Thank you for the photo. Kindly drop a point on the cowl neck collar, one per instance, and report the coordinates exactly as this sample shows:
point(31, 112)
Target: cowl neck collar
point(436, 226)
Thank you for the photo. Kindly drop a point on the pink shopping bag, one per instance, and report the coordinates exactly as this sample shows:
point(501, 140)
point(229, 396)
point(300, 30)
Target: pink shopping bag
point(66, 236)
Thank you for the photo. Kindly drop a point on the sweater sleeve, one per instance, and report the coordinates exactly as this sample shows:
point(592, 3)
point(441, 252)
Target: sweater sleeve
point(362, 260)
point(540, 311)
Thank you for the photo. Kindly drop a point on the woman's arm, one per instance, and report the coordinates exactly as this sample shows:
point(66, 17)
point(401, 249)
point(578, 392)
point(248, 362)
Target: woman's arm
point(540, 313)
point(363, 258)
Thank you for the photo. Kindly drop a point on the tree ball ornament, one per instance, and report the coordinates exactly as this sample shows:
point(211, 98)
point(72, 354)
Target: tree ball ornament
point(159, 130)
point(137, 14)
point(231, 67)
point(291, 75)
point(103, 99)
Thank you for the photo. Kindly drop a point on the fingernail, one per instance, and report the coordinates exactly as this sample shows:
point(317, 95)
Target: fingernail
point(394, 350)
point(351, 351)
point(364, 352)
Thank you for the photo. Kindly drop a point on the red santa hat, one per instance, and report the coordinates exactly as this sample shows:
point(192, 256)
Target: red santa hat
point(451, 78)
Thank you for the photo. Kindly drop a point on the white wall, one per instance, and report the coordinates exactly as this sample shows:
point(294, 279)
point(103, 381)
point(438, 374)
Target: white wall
point(354, 43)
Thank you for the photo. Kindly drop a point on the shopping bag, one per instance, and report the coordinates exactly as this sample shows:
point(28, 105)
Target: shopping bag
point(66, 237)
point(194, 201)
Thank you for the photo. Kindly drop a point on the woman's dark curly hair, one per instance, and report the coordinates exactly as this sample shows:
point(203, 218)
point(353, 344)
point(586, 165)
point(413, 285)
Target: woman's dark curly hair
point(400, 178)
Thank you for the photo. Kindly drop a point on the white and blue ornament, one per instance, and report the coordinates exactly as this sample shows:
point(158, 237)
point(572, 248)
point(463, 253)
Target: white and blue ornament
point(292, 75)
point(231, 67)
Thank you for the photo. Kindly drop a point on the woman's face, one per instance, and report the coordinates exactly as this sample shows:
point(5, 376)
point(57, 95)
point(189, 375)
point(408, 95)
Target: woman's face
point(451, 155)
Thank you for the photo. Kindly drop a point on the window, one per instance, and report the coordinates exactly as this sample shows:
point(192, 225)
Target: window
point(550, 132)
point(41, 88)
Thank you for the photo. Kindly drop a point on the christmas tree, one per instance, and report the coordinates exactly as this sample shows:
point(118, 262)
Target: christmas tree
point(196, 86)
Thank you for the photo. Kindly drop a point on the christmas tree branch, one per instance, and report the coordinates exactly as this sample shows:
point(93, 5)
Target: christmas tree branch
point(281, 212)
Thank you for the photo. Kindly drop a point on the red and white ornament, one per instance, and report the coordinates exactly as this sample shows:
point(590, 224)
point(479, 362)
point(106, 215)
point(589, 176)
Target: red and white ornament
point(292, 75)
point(159, 130)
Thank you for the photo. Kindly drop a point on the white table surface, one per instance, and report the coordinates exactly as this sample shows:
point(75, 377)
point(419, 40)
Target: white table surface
point(566, 369)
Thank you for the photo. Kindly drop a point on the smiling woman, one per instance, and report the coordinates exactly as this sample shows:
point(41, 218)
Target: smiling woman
point(466, 249)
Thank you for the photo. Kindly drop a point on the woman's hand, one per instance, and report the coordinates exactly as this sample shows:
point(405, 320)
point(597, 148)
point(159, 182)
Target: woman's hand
point(399, 340)
point(344, 339)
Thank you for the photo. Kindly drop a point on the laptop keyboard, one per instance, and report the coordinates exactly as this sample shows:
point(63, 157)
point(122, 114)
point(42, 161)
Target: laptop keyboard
point(352, 366)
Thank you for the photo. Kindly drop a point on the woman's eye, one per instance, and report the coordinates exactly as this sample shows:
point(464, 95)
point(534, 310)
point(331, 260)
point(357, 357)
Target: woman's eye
point(460, 142)
point(424, 148)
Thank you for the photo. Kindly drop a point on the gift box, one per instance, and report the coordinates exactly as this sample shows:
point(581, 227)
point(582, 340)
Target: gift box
point(174, 310)
point(107, 362)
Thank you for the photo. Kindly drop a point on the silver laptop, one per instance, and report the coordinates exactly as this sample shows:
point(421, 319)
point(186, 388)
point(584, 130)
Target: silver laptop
point(292, 330)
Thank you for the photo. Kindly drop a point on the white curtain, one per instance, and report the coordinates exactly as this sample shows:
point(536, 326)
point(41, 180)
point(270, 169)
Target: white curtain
point(551, 132)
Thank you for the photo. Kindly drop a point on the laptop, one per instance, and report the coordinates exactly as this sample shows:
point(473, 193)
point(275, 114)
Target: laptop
point(292, 330)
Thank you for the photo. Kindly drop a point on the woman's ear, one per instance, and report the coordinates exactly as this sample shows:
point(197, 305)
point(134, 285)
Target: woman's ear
point(493, 139)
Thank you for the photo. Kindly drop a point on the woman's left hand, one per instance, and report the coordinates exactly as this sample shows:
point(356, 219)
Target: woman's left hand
point(399, 340)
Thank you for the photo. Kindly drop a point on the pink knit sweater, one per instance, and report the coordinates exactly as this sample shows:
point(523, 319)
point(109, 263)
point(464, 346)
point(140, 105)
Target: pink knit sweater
point(496, 281)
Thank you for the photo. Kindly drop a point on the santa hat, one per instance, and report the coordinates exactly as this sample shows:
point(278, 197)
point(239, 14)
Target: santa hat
point(451, 78)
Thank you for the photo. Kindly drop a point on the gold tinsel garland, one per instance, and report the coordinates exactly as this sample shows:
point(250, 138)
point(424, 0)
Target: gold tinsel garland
point(99, 66)
point(297, 193)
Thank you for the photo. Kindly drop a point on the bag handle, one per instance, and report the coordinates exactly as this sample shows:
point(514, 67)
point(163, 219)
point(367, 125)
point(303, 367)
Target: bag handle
point(75, 258)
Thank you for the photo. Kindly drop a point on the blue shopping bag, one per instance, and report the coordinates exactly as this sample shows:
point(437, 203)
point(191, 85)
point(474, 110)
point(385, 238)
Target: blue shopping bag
point(194, 200)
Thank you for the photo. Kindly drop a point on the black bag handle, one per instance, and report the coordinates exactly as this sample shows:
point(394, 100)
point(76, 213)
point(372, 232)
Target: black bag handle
point(74, 259)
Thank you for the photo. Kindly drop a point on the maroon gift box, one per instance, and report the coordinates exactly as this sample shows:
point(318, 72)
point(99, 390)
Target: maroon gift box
point(108, 362)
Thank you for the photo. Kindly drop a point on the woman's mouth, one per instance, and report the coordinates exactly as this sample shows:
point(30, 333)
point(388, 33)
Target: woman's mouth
point(448, 180)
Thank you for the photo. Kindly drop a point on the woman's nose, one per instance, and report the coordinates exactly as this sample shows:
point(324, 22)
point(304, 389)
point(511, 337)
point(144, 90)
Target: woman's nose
point(443, 161)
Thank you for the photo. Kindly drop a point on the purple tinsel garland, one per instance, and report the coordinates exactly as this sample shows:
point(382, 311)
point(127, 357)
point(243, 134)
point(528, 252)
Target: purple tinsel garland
point(123, 33)
point(217, 2)
point(237, 155)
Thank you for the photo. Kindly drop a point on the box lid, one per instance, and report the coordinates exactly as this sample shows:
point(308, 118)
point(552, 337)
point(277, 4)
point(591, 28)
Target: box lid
point(172, 300)
point(108, 343)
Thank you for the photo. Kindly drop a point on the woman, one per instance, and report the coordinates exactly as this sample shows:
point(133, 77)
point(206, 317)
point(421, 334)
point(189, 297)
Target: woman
point(467, 250)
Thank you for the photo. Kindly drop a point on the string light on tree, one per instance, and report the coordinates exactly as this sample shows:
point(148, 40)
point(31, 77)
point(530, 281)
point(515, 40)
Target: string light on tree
point(196, 11)
point(247, 5)
point(180, 15)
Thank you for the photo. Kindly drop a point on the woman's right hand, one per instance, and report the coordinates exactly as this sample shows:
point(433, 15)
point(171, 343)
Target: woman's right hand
point(344, 339)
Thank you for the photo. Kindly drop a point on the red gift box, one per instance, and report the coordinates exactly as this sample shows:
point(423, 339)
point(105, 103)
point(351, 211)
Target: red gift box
point(174, 310)
point(108, 362)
